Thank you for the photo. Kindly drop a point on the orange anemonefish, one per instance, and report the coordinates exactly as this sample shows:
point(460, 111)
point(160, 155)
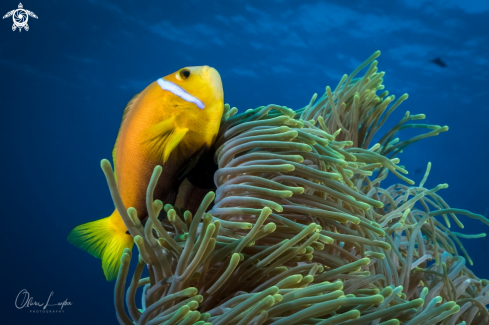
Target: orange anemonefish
point(170, 123)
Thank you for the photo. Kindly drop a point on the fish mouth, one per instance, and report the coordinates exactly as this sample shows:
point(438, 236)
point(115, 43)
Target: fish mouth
point(211, 75)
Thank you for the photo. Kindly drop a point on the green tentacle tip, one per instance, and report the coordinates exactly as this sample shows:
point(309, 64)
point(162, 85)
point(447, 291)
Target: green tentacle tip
point(157, 204)
point(127, 251)
point(104, 163)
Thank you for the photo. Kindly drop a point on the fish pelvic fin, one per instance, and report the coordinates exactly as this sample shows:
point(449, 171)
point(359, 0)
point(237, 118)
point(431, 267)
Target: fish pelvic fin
point(162, 138)
point(105, 239)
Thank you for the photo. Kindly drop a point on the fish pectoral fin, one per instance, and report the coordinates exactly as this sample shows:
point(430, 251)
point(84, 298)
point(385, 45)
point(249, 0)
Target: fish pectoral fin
point(173, 140)
point(162, 138)
point(155, 137)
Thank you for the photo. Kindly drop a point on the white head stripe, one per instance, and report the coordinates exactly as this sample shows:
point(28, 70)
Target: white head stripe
point(180, 92)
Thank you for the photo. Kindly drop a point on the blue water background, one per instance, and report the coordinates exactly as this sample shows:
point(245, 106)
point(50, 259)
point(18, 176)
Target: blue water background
point(65, 82)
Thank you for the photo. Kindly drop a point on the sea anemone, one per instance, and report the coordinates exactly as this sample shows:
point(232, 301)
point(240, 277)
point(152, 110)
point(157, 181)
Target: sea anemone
point(301, 231)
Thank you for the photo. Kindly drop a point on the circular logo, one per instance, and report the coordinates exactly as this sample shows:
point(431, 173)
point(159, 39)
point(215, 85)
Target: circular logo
point(20, 18)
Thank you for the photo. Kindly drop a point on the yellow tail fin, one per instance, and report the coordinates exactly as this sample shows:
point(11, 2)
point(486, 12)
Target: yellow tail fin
point(105, 239)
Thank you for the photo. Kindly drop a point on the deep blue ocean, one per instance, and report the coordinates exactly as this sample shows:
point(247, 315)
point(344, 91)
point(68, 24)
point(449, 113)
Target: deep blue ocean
point(66, 81)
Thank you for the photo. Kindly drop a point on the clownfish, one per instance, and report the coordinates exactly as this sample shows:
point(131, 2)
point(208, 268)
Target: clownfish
point(170, 123)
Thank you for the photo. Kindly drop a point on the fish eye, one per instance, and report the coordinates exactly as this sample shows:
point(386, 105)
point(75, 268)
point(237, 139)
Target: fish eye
point(184, 73)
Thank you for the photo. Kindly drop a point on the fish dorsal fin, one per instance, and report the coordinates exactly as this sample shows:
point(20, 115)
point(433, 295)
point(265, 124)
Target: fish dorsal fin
point(129, 106)
point(124, 114)
point(162, 138)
